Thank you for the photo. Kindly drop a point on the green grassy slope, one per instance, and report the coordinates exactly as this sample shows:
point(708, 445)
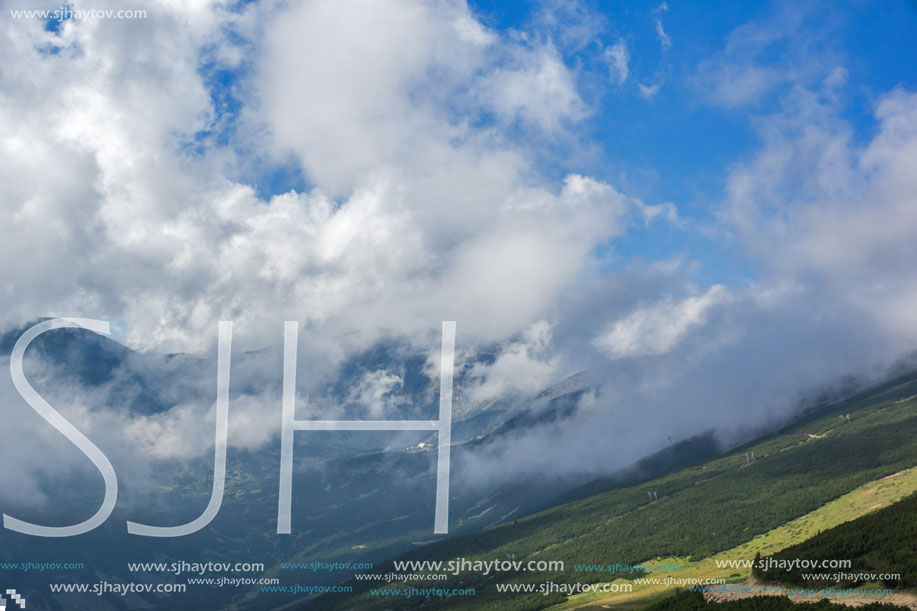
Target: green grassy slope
point(883, 542)
point(855, 504)
point(700, 510)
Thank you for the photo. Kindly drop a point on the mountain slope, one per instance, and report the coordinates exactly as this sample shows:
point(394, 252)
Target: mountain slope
point(884, 541)
point(729, 565)
point(700, 511)
point(358, 496)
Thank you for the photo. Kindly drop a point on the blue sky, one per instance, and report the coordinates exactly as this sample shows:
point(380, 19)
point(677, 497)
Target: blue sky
point(678, 145)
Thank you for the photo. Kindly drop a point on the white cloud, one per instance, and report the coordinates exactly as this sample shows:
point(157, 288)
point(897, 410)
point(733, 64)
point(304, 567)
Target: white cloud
point(356, 87)
point(538, 90)
point(414, 215)
point(826, 221)
point(658, 328)
point(664, 39)
point(618, 58)
point(526, 366)
point(819, 208)
point(733, 86)
point(665, 210)
point(376, 392)
point(765, 57)
point(649, 91)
